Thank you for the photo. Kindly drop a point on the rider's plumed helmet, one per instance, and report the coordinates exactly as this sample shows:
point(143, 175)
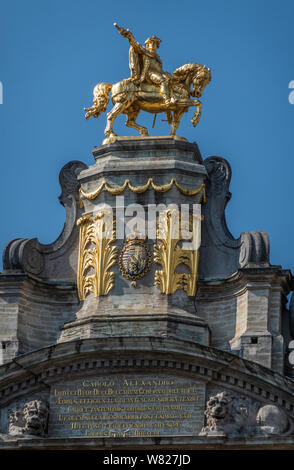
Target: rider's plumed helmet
point(153, 39)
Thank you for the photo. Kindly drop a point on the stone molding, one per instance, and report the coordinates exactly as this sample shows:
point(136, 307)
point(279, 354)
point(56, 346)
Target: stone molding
point(155, 145)
point(154, 443)
point(240, 281)
point(34, 371)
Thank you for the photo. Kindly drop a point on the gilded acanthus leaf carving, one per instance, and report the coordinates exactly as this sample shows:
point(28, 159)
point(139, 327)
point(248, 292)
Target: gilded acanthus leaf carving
point(191, 256)
point(192, 261)
point(96, 254)
point(170, 254)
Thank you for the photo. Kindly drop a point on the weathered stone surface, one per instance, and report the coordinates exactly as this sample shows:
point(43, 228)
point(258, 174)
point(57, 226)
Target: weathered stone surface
point(169, 325)
point(272, 420)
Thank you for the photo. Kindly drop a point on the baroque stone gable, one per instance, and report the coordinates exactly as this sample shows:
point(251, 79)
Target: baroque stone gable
point(134, 340)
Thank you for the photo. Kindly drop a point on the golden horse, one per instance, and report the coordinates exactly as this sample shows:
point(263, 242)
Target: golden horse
point(129, 97)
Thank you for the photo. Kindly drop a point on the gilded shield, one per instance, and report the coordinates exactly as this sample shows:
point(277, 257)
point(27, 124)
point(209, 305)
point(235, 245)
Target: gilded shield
point(135, 259)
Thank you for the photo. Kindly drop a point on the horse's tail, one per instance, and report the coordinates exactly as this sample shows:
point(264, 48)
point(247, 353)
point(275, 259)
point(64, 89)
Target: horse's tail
point(100, 100)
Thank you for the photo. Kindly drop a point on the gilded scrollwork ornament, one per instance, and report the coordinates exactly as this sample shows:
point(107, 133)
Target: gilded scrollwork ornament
point(169, 252)
point(135, 258)
point(96, 254)
point(191, 255)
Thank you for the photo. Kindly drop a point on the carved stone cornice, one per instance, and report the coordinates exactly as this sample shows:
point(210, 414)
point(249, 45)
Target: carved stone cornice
point(240, 281)
point(38, 370)
point(165, 442)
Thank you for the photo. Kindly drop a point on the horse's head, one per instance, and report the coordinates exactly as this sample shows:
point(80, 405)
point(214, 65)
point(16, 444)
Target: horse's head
point(200, 79)
point(193, 74)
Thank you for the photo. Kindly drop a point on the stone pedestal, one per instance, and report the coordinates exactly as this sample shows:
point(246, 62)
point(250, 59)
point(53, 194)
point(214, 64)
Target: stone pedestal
point(138, 178)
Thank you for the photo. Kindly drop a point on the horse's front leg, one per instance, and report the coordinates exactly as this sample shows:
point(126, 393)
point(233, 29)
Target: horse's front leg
point(113, 113)
point(196, 116)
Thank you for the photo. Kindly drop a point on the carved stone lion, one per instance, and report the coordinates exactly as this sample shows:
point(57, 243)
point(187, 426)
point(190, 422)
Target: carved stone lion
point(35, 416)
point(229, 415)
point(31, 420)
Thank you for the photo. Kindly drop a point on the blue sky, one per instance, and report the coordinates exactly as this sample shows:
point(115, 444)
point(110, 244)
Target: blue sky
point(52, 53)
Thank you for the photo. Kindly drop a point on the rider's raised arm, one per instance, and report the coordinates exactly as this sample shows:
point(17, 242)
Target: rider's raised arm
point(126, 33)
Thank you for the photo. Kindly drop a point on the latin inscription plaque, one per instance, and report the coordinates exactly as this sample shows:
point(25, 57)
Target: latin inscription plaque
point(127, 405)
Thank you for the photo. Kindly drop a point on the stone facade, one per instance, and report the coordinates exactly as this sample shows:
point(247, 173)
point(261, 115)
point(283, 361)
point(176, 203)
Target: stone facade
point(199, 371)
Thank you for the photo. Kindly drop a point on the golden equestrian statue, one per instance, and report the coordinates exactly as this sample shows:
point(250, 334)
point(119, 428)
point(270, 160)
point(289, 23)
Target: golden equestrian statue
point(150, 89)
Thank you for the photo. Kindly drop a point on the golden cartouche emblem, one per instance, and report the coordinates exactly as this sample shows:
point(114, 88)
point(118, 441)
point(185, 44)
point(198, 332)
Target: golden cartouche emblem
point(135, 258)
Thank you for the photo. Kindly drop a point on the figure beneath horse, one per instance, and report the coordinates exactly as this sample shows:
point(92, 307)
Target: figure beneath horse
point(150, 89)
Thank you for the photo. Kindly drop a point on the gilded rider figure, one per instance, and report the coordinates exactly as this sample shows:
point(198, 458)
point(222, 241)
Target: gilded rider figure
point(146, 65)
point(150, 89)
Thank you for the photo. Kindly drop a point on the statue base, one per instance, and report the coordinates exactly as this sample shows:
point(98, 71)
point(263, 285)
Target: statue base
point(142, 173)
point(169, 325)
point(116, 138)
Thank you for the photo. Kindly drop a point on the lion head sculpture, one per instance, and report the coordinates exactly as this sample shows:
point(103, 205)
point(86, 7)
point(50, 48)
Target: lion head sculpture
point(229, 415)
point(35, 414)
point(32, 419)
